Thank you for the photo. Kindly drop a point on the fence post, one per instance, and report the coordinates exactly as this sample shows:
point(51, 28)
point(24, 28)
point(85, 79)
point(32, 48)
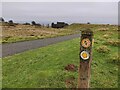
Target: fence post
point(85, 59)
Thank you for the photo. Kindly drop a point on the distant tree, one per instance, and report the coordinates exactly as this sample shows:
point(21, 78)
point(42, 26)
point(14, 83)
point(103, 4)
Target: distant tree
point(11, 22)
point(1, 19)
point(26, 23)
point(88, 22)
point(52, 24)
point(33, 23)
point(48, 26)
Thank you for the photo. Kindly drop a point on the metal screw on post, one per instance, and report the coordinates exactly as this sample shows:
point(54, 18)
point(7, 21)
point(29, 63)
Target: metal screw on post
point(85, 59)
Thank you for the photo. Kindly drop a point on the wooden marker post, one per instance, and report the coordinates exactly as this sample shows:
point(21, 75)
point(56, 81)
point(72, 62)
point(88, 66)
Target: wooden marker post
point(85, 59)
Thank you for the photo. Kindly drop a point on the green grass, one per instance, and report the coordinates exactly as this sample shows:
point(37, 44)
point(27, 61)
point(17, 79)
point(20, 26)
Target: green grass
point(44, 67)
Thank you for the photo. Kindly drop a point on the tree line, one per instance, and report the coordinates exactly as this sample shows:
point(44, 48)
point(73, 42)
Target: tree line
point(58, 25)
point(11, 22)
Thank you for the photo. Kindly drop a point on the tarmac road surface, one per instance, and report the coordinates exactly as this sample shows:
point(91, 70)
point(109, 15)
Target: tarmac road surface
point(14, 48)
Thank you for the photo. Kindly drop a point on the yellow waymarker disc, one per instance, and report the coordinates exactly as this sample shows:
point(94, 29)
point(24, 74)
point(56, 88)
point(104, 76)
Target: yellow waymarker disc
point(84, 55)
point(86, 42)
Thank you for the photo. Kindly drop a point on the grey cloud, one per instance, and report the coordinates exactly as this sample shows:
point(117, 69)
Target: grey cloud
point(96, 12)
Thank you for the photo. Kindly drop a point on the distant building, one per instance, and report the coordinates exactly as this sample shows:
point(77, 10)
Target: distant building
point(59, 25)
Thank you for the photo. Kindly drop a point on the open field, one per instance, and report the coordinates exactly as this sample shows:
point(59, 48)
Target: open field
point(45, 67)
point(29, 32)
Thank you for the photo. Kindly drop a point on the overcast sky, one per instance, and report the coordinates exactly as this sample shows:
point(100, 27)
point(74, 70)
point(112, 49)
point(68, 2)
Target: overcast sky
point(71, 12)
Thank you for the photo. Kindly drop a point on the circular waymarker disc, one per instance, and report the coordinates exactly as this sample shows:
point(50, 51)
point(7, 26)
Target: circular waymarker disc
point(86, 42)
point(84, 55)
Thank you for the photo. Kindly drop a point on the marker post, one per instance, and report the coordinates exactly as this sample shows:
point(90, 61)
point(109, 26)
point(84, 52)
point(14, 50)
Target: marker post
point(85, 59)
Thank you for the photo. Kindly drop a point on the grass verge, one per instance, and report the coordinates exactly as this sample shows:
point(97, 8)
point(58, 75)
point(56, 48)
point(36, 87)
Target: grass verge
point(44, 67)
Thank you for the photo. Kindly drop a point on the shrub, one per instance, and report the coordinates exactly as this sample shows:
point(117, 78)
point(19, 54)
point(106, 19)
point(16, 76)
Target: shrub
point(32, 35)
point(112, 42)
point(103, 29)
point(6, 38)
point(115, 59)
point(103, 49)
point(106, 36)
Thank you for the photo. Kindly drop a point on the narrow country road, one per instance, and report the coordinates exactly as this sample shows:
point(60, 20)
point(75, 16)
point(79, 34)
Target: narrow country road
point(14, 48)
